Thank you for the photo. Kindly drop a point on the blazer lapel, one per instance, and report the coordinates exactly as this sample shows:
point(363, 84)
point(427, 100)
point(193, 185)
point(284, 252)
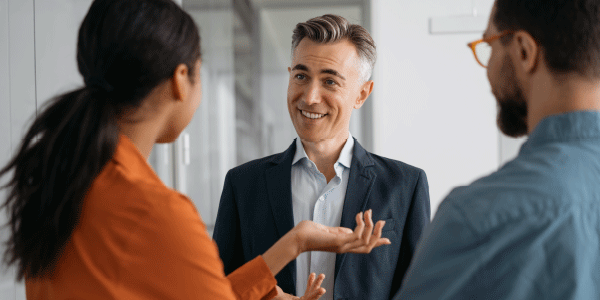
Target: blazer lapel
point(279, 189)
point(359, 187)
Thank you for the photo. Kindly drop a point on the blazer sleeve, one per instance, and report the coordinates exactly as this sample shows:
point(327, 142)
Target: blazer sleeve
point(227, 232)
point(419, 217)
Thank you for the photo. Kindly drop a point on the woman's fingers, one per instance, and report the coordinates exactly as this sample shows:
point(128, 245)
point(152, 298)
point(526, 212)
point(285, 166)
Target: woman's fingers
point(356, 239)
point(311, 281)
point(314, 290)
point(368, 231)
point(370, 237)
point(378, 229)
point(315, 295)
point(317, 283)
point(360, 225)
point(376, 239)
point(314, 282)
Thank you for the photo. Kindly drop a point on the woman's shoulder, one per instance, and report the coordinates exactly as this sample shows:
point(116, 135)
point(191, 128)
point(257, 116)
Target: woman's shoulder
point(118, 193)
point(148, 235)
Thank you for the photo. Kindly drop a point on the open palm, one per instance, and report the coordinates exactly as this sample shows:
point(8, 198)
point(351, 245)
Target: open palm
point(365, 237)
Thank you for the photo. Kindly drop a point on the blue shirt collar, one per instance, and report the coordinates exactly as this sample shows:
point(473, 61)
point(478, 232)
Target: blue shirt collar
point(563, 127)
point(345, 158)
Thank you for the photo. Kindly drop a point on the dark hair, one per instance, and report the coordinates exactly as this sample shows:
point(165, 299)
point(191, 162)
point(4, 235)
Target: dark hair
point(125, 49)
point(333, 28)
point(567, 30)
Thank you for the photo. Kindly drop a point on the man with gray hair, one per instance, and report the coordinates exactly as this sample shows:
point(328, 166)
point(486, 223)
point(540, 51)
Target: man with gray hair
point(326, 176)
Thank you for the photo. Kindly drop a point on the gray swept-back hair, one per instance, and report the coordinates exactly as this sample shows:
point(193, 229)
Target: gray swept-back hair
point(333, 28)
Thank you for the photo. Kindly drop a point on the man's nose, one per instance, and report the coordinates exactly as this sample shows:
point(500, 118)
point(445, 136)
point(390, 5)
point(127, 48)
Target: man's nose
point(313, 94)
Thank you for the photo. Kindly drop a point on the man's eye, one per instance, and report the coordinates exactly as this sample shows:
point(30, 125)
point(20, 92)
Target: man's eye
point(300, 76)
point(330, 82)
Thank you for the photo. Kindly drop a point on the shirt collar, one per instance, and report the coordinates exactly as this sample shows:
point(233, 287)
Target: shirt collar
point(345, 158)
point(563, 127)
point(346, 155)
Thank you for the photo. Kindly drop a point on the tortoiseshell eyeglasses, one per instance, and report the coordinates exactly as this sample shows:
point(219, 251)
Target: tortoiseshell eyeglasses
point(482, 50)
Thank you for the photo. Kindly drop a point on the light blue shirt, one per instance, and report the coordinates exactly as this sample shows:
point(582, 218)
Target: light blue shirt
point(531, 230)
point(315, 199)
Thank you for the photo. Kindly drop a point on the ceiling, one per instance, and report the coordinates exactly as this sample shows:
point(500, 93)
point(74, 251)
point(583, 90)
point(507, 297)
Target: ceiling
point(271, 3)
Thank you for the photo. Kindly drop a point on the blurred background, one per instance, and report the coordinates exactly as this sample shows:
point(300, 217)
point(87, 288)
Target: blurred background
point(431, 106)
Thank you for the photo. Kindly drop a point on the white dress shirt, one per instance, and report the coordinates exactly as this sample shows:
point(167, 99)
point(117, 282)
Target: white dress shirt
point(315, 199)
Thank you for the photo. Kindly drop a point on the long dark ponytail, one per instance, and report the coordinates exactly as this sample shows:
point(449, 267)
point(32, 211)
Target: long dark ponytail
point(125, 49)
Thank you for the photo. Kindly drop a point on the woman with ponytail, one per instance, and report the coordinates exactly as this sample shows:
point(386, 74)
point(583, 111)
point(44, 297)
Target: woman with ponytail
point(90, 219)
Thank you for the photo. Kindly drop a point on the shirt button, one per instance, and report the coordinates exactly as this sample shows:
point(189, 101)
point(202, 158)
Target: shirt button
point(321, 198)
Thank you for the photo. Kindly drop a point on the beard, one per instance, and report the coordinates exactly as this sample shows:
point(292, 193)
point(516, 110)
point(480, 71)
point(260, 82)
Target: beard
point(512, 106)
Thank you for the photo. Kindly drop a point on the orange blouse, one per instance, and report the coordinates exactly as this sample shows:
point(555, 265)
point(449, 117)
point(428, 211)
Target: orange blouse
point(138, 239)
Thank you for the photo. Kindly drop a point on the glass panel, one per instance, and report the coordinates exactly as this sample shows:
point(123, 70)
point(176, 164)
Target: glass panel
point(206, 150)
point(247, 110)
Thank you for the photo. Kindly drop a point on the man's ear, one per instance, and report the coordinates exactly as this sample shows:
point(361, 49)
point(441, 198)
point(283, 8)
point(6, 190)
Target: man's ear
point(527, 52)
point(180, 82)
point(365, 91)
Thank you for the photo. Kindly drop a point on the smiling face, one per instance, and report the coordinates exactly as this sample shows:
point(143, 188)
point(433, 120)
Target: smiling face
point(324, 88)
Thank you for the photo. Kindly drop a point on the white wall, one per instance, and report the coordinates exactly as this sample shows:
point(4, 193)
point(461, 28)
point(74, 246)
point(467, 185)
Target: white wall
point(37, 61)
point(18, 79)
point(433, 107)
point(7, 285)
point(56, 29)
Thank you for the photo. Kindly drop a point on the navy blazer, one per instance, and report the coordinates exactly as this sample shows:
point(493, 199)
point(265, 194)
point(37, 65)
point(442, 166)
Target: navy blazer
point(256, 211)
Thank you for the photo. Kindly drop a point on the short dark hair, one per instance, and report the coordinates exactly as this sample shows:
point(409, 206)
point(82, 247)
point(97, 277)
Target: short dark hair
point(567, 30)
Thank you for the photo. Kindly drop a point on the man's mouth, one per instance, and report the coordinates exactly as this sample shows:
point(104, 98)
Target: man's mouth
point(312, 115)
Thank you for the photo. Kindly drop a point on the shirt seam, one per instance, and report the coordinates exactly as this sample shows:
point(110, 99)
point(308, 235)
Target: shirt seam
point(548, 199)
point(465, 220)
point(535, 142)
point(534, 284)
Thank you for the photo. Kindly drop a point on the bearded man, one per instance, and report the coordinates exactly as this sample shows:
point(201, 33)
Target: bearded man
point(531, 230)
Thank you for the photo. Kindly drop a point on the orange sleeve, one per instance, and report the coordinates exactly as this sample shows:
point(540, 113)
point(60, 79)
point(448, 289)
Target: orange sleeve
point(252, 280)
point(178, 260)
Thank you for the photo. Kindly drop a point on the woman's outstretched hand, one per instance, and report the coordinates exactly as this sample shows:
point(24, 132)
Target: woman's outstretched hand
point(312, 236)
